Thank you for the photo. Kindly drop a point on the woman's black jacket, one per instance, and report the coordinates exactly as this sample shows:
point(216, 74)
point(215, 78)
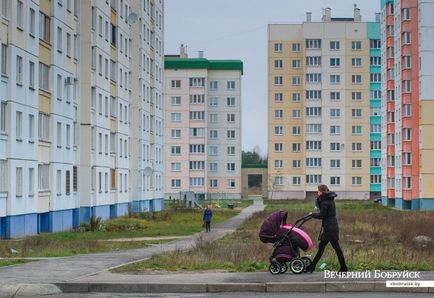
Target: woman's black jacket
point(327, 213)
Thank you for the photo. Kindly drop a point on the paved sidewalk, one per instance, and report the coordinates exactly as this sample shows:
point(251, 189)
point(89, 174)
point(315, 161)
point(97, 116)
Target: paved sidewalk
point(77, 267)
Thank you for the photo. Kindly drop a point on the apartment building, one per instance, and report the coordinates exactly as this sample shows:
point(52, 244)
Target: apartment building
point(81, 89)
point(407, 27)
point(324, 123)
point(203, 127)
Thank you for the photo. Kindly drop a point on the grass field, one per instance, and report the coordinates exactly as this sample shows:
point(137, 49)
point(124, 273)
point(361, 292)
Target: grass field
point(174, 221)
point(372, 237)
point(12, 262)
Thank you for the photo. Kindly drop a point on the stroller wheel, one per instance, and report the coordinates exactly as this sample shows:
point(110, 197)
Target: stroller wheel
point(297, 266)
point(307, 261)
point(275, 268)
point(283, 267)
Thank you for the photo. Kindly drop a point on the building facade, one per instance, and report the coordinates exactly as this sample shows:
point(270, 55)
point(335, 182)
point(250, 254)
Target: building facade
point(407, 28)
point(203, 127)
point(67, 129)
point(324, 92)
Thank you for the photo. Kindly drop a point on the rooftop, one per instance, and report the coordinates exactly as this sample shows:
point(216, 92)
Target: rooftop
point(171, 62)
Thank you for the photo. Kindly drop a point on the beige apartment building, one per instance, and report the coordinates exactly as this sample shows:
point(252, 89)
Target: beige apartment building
point(321, 107)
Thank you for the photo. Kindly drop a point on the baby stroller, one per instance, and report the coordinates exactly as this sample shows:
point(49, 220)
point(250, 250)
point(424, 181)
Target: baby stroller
point(287, 239)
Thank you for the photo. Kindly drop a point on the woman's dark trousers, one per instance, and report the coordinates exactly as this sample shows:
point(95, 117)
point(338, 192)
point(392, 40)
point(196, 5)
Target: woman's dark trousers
point(322, 245)
point(208, 226)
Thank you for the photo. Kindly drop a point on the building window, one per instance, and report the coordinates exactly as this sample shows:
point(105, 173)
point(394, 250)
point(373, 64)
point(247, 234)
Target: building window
point(31, 181)
point(296, 97)
point(4, 59)
point(313, 94)
point(296, 63)
point(213, 85)
point(295, 113)
point(335, 180)
point(406, 14)
point(356, 113)
point(313, 128)
point(296, 130)
point(406, 37)
point(406, 183)
point(44, 27)
point(313, 162)
point(19, 182)
point(278, 47)
point(278, 147)
point(375, 145)
point(356, 180)
point(44, 77)
point(335, 45)
point(335, 79)
point(375, 162)
point(406, 134)
point(356, 45)
point(278, 97)
point(313, 179)
point(176, 84)
point(296, 80)
point(278, 64)
point(356, 79)
point(335, 62)
point(31, 128)
point(356, 163)
point(407, 110)
point(296, 164)
point(19, 14)
point(19, 70)
point(230, 118)
point(231, 134)
point(375, 43)
point(375, 78)
point(212, 167)
point(231, 183)
point(356, 96)
point(6, 8)
point(313, 112)
point(375, 60)
point(175, 117)
point(278, 80)
point(335, 146)
point(296, 147)
point(406, 86)
point(19, 126)
point(44, 177)
point(74, 178)
point(59, 182)
point(356, 62)
point(313, 43)
point(335, 163)
point(44, 127)
point(313, 61)
point(230, 101)
point(356, 129)
point(296, 180)
point(356, 146)
point(68, 182)
point(296, 47)
point(335, 129)
point(335, 113)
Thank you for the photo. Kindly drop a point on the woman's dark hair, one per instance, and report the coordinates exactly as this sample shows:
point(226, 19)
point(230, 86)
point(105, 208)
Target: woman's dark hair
point(323, 188)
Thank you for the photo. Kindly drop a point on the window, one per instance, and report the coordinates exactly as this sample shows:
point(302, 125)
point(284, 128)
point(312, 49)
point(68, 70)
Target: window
point(407, 158)
point(406, 37)
point(4, 59)
point(356, 146)
point(176, 100)
point(296, 131)
point(406, 134)
point(335, 163)
point(335, 113)
point(19, 126)
point(335, 45)
point(335, 62)
point(313, 43)
point(197, 132)
point(296, 63)
point(335, 180)
point(231, 134)
point(6, 8)
point(278, 97)
point(356, 129)
point(313, 78)
point(44, 27)
point(406, 61)
point(176, 133)
point(356, 96)
point(406, 15)
point(296, 147)
point(44, 127)
point(376, 94)
point(295, 113)
point(296, 163)
point(278, 164)
point(296, 80)
point(59, 39)
point(230, 102)
point(375, 162)
point(313, 145)
point(59, 182)
point(176, 166)
point(335, 146)
point(407, 110)
point(356, 62)
point(19, 14)
point(231, 167)
point(375, 43)
point(375, 78)
point(406, 86)
point(231, 150)
point(296, 180)
point(356, 79)
point(176, 183)
point(213, 85)
point(375, 128)
point(231, 118)
point(313, 61)
point(75, 178)
point(19, 182)
point(197, 148)
point(313, 111)
point(212, 167)
point(176, 83)
point(278, 147)
point(375, 145)
point(31, 128)
point(231, 183)
point(296, 47)
point(59, 87)
point(197, 115)
point(313, 94)
point(375, 60)
point(335, 79)
point(313, 179)
point(356, 180)
point(176, 150)
point(31, 181)
point(197, 181)
point(213, 118)
point(313, 128)
point(31, 75)
point(335, 129)
point(356, 45)
point(44, 175)
point(19, 70)
point(197, 99)
point(44, 77)
point(278, 64)
point(313, 162)
point(197, 82)
point(278, 47)
point(175, 117)
point(356, 163)
point(278, 180)
point(335, 96)
point(406, 181)
point(296, 97)
point(356, 113)
point(278, 80)
point(68, 182)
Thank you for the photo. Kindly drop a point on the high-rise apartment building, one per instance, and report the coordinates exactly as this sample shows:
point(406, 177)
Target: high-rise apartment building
point(203, 127)
point(78, 79)
point(324, 97)
point(407, 28)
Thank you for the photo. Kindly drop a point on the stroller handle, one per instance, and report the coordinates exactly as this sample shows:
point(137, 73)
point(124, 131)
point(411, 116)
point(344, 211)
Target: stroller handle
point(303, 219)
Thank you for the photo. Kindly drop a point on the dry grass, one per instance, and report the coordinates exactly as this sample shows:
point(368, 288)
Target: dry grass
point(384, 241)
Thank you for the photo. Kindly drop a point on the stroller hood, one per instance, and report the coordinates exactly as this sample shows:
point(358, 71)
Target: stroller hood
point(269, 232)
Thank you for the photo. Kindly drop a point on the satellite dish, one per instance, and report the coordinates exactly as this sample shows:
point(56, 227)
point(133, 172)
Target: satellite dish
point(148, 171)
point(132, 18)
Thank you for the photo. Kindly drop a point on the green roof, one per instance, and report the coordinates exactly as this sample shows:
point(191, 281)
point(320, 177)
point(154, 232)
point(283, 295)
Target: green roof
point(254, 166)
point(202, 63)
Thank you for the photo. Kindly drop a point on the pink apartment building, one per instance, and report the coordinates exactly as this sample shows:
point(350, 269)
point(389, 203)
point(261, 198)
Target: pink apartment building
point(203, 127)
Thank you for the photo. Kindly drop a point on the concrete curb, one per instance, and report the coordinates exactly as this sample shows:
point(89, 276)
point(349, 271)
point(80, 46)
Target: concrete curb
point(30, 290)
point(273, 287)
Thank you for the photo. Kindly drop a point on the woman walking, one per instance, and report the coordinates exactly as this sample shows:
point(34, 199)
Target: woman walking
point(329, 228)
point(207, 216)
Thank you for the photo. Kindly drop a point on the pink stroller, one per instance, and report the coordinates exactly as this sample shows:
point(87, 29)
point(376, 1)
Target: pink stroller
point(288, 240)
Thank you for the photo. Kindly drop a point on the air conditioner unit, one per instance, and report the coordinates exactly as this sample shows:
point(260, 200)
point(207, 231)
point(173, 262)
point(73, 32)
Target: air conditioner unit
point(69, 81)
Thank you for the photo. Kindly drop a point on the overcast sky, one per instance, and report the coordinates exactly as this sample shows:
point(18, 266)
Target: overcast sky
point(237, 29)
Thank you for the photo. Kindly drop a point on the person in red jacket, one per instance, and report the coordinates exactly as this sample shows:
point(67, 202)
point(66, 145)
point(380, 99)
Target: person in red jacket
point(329, 228)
